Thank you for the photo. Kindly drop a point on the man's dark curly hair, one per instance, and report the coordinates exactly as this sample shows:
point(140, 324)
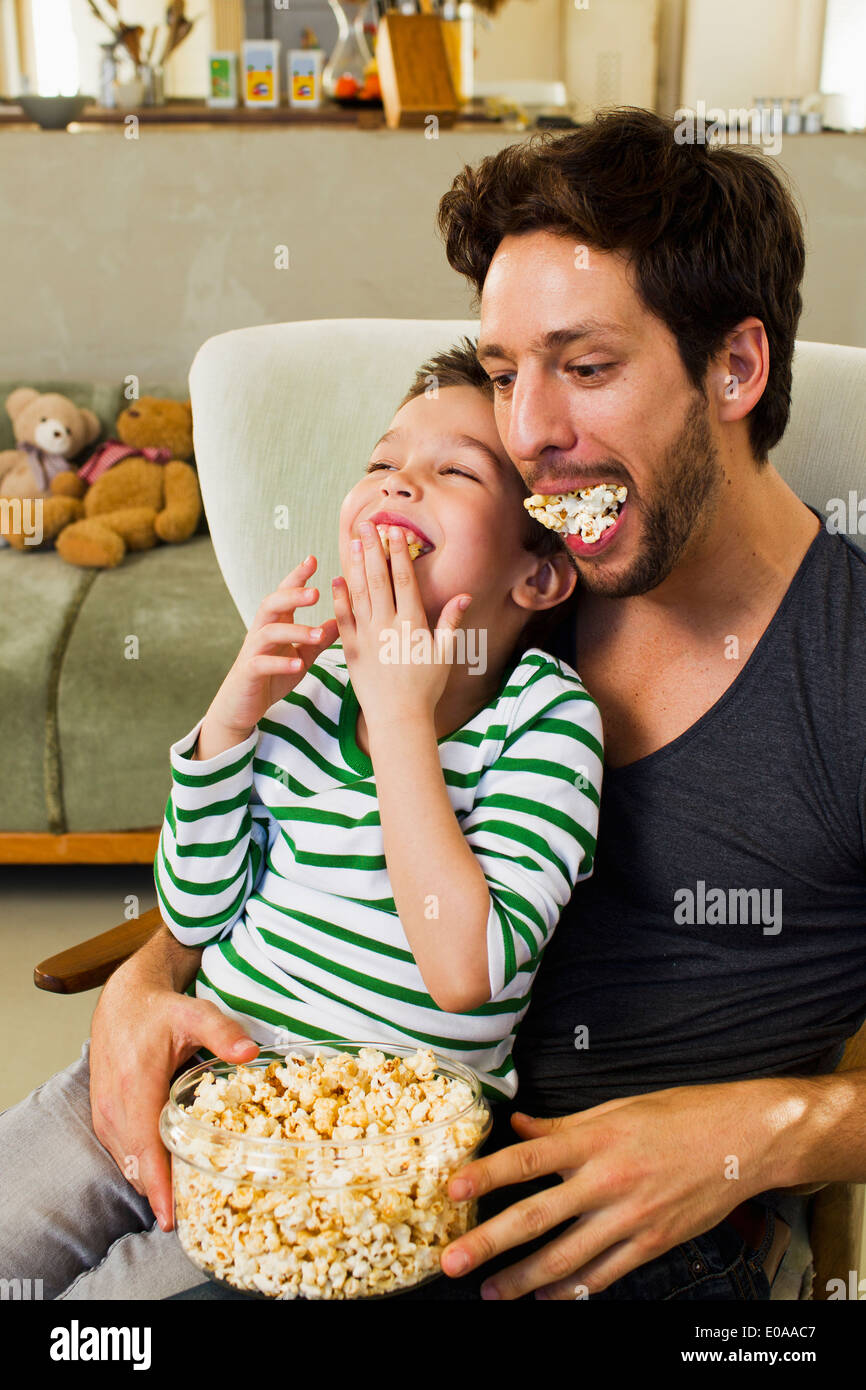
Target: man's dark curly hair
point(712, 233)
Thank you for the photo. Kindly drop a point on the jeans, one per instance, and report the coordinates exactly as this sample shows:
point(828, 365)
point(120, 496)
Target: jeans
point(69, 1219)
point(717, 1265)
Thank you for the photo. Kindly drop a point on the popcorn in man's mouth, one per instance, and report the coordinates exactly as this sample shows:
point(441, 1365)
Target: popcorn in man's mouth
point(589, 512)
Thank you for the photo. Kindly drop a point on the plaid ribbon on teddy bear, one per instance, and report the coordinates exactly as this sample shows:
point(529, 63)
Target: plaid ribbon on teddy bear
point(112, 452)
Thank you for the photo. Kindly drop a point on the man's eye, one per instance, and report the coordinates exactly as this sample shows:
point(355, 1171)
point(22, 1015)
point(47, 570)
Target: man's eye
point(594, 367)
point(587, 371)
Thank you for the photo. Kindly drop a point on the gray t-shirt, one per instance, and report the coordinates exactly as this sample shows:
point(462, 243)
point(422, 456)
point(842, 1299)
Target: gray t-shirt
point(723, 933)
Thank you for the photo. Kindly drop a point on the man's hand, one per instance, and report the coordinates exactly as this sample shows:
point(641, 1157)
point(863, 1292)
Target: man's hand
point(641, 1174)
point(142, 1031)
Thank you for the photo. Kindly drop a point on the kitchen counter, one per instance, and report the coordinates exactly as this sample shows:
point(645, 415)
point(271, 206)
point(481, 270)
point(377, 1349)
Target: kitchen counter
point(197, 115)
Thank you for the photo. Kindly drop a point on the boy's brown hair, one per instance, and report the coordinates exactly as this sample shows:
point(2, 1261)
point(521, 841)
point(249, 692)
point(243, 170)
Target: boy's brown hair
point(712, 233)
point(459, 366)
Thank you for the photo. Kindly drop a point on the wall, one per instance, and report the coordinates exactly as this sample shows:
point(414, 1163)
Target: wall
point(123, 255)
point(523, 41)
point(740, 50)
point(611, 54)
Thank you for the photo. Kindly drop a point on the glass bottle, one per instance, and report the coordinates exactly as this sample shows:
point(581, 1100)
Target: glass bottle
point(366, 24)
point(350, 55)
point(107, 74)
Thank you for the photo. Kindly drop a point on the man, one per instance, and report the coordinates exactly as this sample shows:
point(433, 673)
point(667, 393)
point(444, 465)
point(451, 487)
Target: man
point(684, 1053)
point(639, 301)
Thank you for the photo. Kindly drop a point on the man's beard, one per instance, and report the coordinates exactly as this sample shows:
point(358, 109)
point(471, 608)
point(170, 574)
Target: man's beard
point(687, 483)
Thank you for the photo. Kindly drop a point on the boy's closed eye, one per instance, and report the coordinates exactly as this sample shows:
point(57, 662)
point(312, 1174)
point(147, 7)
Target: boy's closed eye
point(448, 468)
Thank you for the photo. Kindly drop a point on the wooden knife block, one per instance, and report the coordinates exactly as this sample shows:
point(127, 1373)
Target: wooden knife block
point(414, 73)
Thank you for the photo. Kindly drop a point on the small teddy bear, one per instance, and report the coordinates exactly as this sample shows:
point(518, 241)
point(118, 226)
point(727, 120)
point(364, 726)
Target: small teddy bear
point(50, 430)
point(139, 494)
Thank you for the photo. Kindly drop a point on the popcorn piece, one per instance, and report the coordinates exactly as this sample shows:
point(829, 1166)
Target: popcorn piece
point(416, 545)
point(342, 1219)
point(589, 511)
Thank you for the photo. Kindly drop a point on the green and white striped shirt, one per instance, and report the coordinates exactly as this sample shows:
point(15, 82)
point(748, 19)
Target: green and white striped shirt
point(272, 853)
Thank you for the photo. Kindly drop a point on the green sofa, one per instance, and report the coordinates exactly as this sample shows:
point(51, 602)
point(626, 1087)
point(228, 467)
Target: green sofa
point(89, 724)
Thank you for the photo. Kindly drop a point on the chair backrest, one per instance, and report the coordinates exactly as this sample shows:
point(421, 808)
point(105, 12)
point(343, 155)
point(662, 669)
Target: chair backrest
point(286, 415)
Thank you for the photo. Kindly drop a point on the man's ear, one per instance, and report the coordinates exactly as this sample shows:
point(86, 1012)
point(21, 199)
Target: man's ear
point(548, 583)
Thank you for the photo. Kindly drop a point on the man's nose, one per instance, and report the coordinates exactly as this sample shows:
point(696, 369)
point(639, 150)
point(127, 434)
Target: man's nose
point(539, 418)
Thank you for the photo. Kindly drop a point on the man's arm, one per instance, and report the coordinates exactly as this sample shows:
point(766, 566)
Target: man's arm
point(646, 1172)
point(144, 1027)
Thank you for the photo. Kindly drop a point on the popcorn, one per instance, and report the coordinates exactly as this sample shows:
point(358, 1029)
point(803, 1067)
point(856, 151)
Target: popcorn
point(416, 545)
point(351, 1201)
point(589, 511)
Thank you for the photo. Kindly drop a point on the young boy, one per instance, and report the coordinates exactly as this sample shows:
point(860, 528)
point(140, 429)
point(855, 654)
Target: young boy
point(376, 836)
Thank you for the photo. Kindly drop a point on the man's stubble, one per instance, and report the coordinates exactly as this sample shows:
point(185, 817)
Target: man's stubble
point(680, 510)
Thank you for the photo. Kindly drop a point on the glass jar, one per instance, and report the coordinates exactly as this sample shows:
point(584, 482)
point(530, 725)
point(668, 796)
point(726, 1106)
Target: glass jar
point(107, 74)
point(153, 84)
point(350, 56)
point(353, 1217)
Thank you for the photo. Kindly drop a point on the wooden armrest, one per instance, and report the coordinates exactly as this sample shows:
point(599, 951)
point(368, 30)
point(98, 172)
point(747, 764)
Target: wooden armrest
point(91, 962)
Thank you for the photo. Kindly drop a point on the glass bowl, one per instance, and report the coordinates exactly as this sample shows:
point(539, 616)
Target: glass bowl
point(356, 1216)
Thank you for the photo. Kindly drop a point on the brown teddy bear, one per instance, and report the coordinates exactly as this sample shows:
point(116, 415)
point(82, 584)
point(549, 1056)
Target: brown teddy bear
point(151, 494)
point(50, 430)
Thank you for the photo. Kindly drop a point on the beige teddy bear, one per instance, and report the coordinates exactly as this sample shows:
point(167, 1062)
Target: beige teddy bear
point(50, 430)
point(150, 494)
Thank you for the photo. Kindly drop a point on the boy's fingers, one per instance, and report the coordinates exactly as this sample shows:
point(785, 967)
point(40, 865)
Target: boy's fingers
point(281, 604)
point(378, 578)
point(452, 612)
point(345, 618)
point(406, 593)
point(359, 592)
point(456, 608)
point(330, 632)
point(305, 567)
point(285, 634)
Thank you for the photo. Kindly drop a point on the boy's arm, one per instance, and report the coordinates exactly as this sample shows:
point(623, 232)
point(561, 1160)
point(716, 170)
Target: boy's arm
point(478, 900)
point(439, 887)
point(212, 845)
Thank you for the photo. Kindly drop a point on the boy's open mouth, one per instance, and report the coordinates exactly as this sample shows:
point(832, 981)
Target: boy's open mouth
point(417, 546)
point(589, 512)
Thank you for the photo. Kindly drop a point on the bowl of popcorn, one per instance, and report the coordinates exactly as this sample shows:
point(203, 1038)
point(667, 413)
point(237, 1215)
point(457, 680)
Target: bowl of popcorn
point(321, 1170)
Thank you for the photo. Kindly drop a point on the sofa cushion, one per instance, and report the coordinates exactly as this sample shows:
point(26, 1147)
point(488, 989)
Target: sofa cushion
point(102, 671)
point(41, 597)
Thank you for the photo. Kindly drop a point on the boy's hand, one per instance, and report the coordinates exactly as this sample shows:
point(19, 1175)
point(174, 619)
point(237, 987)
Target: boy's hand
point(371, 618)
point(275, 656)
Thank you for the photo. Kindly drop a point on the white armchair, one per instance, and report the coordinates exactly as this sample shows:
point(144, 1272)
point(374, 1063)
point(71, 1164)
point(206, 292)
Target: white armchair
point(285, 416)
